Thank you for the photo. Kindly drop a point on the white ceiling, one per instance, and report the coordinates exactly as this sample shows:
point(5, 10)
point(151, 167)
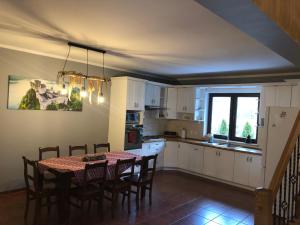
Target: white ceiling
point(168, 37)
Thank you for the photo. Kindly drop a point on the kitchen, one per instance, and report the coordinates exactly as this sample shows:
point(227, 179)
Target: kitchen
point(172, 122)
point(150, 112)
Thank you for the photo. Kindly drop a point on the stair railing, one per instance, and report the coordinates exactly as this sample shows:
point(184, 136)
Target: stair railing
point(276, 205)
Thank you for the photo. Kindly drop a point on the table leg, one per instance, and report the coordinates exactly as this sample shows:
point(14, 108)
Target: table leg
point(63, 187)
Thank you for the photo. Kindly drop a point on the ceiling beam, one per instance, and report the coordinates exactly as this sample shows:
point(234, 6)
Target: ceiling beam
point(285, 13)
point(248, 18)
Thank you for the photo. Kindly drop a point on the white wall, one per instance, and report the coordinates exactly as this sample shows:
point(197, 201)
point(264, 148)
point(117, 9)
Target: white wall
point(22, 132)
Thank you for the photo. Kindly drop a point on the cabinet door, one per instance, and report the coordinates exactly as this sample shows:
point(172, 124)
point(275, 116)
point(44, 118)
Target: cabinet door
point(156, 95)
point(131, 95)
point(269, 96)
point(149, 94)
point(255, 171)
point(241, 168)
point(190, 100)
point(170, 154)
point(181, 104)
point(146, 149)
point(171, 112)
point(225, 165)
point(139, 95)
point(196, 159)
point(210, 161)
point(283, 96)
point(183, 156)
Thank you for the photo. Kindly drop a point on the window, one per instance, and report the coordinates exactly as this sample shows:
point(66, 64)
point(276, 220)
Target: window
point(233, 116)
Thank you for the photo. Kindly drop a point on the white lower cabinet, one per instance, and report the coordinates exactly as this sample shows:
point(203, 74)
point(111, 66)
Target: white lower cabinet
point(247, 169)
point(210, 160)
point(218, 163)
point(183, 156)
point(171, 154)
point(196, 158)
point(240, 168)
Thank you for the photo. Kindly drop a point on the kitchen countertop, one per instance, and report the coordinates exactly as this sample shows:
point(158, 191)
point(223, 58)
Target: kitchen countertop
point(231, 147)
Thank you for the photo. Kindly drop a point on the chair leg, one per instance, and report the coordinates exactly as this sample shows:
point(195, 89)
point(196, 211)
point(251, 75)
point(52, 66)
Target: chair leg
point(49, 204)
point(137, 197)
point(143, 192)
point(129, 201)
point(82, 207)
point(26, 206)
point(123, 198)
point(37, 211)
point(113, 204)
point(150, 194)
point(100, 205)
point(89, 206)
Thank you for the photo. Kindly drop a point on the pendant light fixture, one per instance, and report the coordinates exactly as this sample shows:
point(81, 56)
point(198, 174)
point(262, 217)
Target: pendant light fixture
point(100, 98)
point(86, 83)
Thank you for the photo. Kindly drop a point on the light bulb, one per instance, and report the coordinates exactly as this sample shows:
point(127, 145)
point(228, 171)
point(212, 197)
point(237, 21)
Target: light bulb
point(101, 99)
point(64, 91)
point(83, 93)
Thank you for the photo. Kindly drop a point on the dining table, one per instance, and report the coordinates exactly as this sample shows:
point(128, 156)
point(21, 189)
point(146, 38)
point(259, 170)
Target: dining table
point(71, 168)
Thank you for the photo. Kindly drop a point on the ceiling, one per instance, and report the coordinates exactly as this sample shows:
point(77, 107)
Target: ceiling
point(168, 37)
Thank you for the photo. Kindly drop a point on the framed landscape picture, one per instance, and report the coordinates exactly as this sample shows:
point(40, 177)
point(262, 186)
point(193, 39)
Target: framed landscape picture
point(38, 94)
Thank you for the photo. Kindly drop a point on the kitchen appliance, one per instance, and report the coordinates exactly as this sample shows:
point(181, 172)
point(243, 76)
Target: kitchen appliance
point(133, 117)
point(278, 124)
point(133, 136)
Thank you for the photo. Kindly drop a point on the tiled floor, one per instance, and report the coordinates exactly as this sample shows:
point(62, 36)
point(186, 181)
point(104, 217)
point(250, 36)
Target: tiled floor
point(177, 199)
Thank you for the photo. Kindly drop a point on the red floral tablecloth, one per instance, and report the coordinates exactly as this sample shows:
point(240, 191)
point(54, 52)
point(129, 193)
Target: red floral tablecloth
point(76, 165)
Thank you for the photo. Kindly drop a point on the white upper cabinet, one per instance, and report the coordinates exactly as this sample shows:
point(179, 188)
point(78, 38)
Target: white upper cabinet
point(135, 95)
point(152, 97)
point(171, 103)
point(186, 100)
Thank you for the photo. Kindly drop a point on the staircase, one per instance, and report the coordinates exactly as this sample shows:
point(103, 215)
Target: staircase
point(279, 204)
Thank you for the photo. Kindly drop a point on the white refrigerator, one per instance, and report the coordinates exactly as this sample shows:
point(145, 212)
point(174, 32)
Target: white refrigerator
point(278, 124)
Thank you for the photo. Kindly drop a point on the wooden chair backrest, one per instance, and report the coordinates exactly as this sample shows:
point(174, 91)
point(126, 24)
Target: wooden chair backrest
point(98, 146)
point(123, 165)
point(148, 170)
point(77, 148)
point(31, 177)
point(99, 170)
point(47, 150)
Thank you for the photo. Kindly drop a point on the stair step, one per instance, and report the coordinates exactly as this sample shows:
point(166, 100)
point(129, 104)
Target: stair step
point(295, 222)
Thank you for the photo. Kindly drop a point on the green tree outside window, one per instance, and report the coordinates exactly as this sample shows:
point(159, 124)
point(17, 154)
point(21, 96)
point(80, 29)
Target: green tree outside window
point(223, 130)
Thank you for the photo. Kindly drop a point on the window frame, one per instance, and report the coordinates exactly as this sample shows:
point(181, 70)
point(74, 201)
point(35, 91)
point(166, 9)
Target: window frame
point(232, 115)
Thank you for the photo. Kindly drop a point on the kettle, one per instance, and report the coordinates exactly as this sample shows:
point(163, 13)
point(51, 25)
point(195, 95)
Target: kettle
point(183, 133)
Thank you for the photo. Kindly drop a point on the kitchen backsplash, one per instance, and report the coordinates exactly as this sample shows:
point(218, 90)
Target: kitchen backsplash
point(153, 126)
point(194, 129)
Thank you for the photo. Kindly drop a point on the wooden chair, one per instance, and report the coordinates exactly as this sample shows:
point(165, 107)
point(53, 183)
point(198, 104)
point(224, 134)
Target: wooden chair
point(144, 180)
point(119, 184)
point(35, 190)
point(47, 176)
point(47, 150)
point(91, 188)
point(99, 146)
point(77, 148)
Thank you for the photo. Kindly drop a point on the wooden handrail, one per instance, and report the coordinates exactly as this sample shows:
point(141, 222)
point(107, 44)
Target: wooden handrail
point(285, 157)
point(264, 198)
